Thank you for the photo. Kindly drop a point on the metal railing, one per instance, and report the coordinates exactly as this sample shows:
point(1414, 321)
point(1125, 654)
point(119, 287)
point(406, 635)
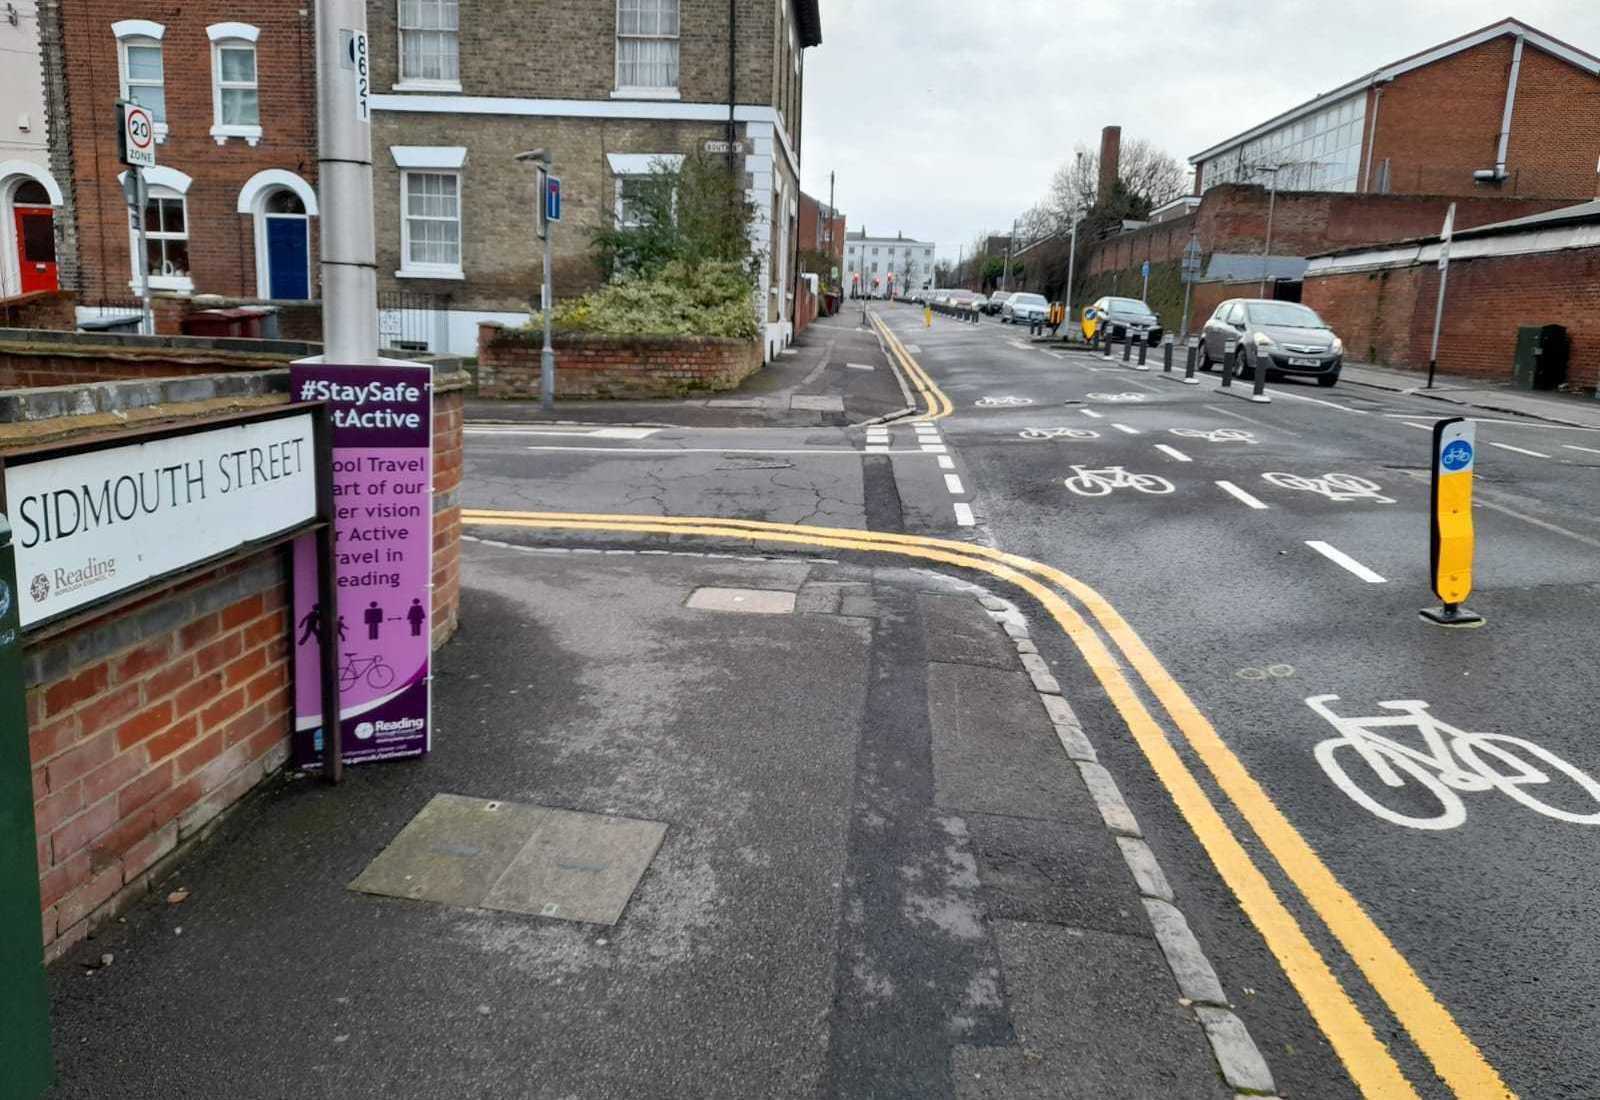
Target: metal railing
point(411, 321)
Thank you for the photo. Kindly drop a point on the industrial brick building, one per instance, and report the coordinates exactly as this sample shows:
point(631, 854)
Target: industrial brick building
point(1490, 112)
point(461, 90)
point(232, 201)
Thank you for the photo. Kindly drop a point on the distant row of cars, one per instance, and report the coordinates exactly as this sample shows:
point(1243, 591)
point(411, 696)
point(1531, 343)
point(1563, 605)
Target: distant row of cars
point(1293, 339)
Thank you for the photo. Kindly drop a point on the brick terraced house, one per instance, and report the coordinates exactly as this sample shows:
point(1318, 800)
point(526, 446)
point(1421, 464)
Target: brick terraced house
point(607, 87)
point(232, 200)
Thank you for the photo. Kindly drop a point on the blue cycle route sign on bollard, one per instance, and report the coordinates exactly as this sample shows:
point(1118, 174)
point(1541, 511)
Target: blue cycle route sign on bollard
point(1457, 456)
point(552, 198)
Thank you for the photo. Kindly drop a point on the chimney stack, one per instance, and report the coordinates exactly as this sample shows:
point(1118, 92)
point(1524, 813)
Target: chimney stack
point(1110, 161)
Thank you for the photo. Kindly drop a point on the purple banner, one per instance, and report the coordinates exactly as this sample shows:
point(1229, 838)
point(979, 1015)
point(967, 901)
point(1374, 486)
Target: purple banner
point(383, 494)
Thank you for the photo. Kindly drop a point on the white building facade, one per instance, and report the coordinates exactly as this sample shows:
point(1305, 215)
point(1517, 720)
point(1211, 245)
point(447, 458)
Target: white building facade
point(29, 194)
point(873, 264)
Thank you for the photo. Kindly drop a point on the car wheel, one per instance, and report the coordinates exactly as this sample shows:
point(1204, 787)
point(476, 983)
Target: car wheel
point(1326, 381)
point(1202, 360)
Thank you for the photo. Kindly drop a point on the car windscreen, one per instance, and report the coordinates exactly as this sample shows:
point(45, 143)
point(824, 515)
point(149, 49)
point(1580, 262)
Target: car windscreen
point(1127, 305)
point(1289, 314)
point(1026, 300)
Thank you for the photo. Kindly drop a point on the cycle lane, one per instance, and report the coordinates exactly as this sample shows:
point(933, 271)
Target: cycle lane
point(1207, 589)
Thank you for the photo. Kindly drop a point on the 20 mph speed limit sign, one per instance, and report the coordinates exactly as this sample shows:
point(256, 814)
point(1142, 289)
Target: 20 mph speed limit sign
point(136, 135)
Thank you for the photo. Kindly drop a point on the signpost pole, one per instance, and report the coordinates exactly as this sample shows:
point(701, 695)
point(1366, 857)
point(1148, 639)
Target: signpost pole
point(141, 211)
point(547, 354)
point(328, 599)
point(24, 1005)
point(1444, 276)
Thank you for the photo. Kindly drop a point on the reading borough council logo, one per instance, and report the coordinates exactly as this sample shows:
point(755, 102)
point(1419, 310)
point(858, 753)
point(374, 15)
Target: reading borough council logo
point(39, 588)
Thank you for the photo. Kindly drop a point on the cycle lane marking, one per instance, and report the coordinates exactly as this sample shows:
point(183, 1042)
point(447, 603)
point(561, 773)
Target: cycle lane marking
point(1240, 495)
point(1518, 450)
point(1091, 413)
point(1123, 428)
point(1345, 561)
point(1173, 453)
point(1454, 1057)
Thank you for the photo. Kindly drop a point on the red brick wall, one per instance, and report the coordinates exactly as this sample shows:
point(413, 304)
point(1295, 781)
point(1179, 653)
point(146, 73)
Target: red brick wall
point(1440, 123)
point(29, 365)
point(449, 417)
point(140, 749)
point(1387, 316)
point(612, 367)
point(50, 309)
point(221, 241)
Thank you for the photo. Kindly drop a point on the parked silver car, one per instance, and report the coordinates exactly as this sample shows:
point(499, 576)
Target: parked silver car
point(1292, 338)
point(996, 300)
point(1024, 309)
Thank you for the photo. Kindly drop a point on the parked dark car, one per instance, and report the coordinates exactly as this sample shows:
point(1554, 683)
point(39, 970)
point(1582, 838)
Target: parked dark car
point(1122, 316)
point(1294, 340)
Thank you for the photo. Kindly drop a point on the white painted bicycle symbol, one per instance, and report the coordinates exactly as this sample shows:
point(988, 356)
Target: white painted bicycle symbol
point(1115, 397)
point(1057, 433)
point(1216, 435)
point(1098, 483)
point(1450, 761)
point(1338, 487)
point(1002, 402)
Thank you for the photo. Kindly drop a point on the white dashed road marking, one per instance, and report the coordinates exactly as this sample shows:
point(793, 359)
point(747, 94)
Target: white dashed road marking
point(964, 515)
point(1575, 447)
point(946, 462)
point(1090, 412)
point(861, 366)
point(1345, 561)
point(1124, 428)
point(953, 483)
point(1241, 496)
point(1518, 450)
point(1173, 452)
point(877, 448)
point(934, 448)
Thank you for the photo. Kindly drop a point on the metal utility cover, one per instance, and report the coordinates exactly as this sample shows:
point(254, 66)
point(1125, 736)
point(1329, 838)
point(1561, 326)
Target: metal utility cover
point(752, 601)
point(816, 403)
point(478, 853)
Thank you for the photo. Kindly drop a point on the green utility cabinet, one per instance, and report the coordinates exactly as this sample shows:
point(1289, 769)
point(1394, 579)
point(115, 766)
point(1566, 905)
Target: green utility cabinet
point(1541, 357)
point(24, 1009)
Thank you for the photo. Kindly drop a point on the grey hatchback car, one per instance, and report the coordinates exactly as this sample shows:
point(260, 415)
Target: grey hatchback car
point(1292, 338)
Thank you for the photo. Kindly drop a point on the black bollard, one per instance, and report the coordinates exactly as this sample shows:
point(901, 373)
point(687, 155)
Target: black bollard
point(1189, 362)
point(1259, 393)
point(1127, 346)
point(1144, 348)
point(1166, 356)
point(1226, 365)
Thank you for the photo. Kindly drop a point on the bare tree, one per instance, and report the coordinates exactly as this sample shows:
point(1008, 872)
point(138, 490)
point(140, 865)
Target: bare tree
point(1149, 175)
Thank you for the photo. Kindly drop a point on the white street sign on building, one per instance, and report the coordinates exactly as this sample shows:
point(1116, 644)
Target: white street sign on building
point(136, 138)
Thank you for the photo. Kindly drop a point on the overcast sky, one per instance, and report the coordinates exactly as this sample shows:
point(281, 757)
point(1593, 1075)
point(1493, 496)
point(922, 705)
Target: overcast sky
point(943, 118)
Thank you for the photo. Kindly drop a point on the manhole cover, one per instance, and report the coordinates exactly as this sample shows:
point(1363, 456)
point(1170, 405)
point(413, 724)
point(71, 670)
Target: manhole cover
point(481, 854)
point(751, 601)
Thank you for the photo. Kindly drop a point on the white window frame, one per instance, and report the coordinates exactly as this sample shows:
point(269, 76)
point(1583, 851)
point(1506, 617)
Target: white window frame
point(430, 160)
point(141, 32)
point(634, 91)
point(636, 165)
point(233, 35)
point(404, 83)
point(161, 182)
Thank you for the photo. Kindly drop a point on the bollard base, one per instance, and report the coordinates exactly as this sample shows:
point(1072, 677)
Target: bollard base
point(1452, 615)
point(1261, 399)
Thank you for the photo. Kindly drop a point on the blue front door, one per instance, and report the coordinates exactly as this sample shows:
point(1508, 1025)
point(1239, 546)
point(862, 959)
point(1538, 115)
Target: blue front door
point(288, 273)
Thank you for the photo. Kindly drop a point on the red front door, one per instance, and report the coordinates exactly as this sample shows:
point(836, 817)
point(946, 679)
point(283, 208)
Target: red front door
point(36, 248)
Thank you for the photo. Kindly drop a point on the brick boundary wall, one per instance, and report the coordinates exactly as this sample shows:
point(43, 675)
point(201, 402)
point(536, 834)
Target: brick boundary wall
point(38, 358)
point(56, 310)
point(590, 366)
point(1386, 315)
point(147, 724)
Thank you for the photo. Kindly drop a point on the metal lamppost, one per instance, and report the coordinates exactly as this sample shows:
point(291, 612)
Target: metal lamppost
point(1272, 202)
point(547, 357)
point(1072, 256)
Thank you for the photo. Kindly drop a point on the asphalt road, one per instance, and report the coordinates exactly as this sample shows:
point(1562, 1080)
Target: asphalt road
point(1482, 884)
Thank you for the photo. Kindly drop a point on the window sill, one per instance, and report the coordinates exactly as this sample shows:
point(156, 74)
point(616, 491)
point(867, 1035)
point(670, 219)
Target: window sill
point(426, 86)
point(180, 284)
point(430, 273)
point(645, 93)
point(161, 133)
point(251, 134)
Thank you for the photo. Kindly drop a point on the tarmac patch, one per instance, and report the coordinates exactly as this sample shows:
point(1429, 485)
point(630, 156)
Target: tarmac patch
point(749, 601)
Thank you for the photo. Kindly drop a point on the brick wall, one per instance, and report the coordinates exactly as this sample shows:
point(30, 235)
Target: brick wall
point(26, 366)
point(221, 240)
point(49, 309)
point(146, 724)
point(1386, 316)
point(612, 367)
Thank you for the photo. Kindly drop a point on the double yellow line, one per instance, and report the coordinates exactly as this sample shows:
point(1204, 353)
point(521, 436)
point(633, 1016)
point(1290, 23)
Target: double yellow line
point(938, 406)
point(1370, 1063)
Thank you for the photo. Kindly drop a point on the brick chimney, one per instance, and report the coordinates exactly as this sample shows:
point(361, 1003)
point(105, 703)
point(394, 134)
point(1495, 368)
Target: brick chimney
point(1110, 161)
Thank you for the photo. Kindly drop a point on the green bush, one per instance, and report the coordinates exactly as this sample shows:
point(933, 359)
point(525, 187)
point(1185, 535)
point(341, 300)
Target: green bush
point(679, 299)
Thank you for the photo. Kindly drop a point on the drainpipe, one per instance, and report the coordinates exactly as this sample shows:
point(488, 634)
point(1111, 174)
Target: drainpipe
point(1498, 172)
point(1372, 137)
point(733, 74)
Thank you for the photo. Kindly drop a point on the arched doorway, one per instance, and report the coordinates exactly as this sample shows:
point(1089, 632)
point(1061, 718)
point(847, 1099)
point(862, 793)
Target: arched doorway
point(285, 239)
point(30, 263)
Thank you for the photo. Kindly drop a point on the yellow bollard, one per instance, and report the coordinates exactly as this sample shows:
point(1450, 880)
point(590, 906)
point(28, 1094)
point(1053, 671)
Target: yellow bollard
point(927, 316)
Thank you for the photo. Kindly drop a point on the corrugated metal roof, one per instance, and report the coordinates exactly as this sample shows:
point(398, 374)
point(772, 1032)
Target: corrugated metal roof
point(1584, 213)
point(1236, 267)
